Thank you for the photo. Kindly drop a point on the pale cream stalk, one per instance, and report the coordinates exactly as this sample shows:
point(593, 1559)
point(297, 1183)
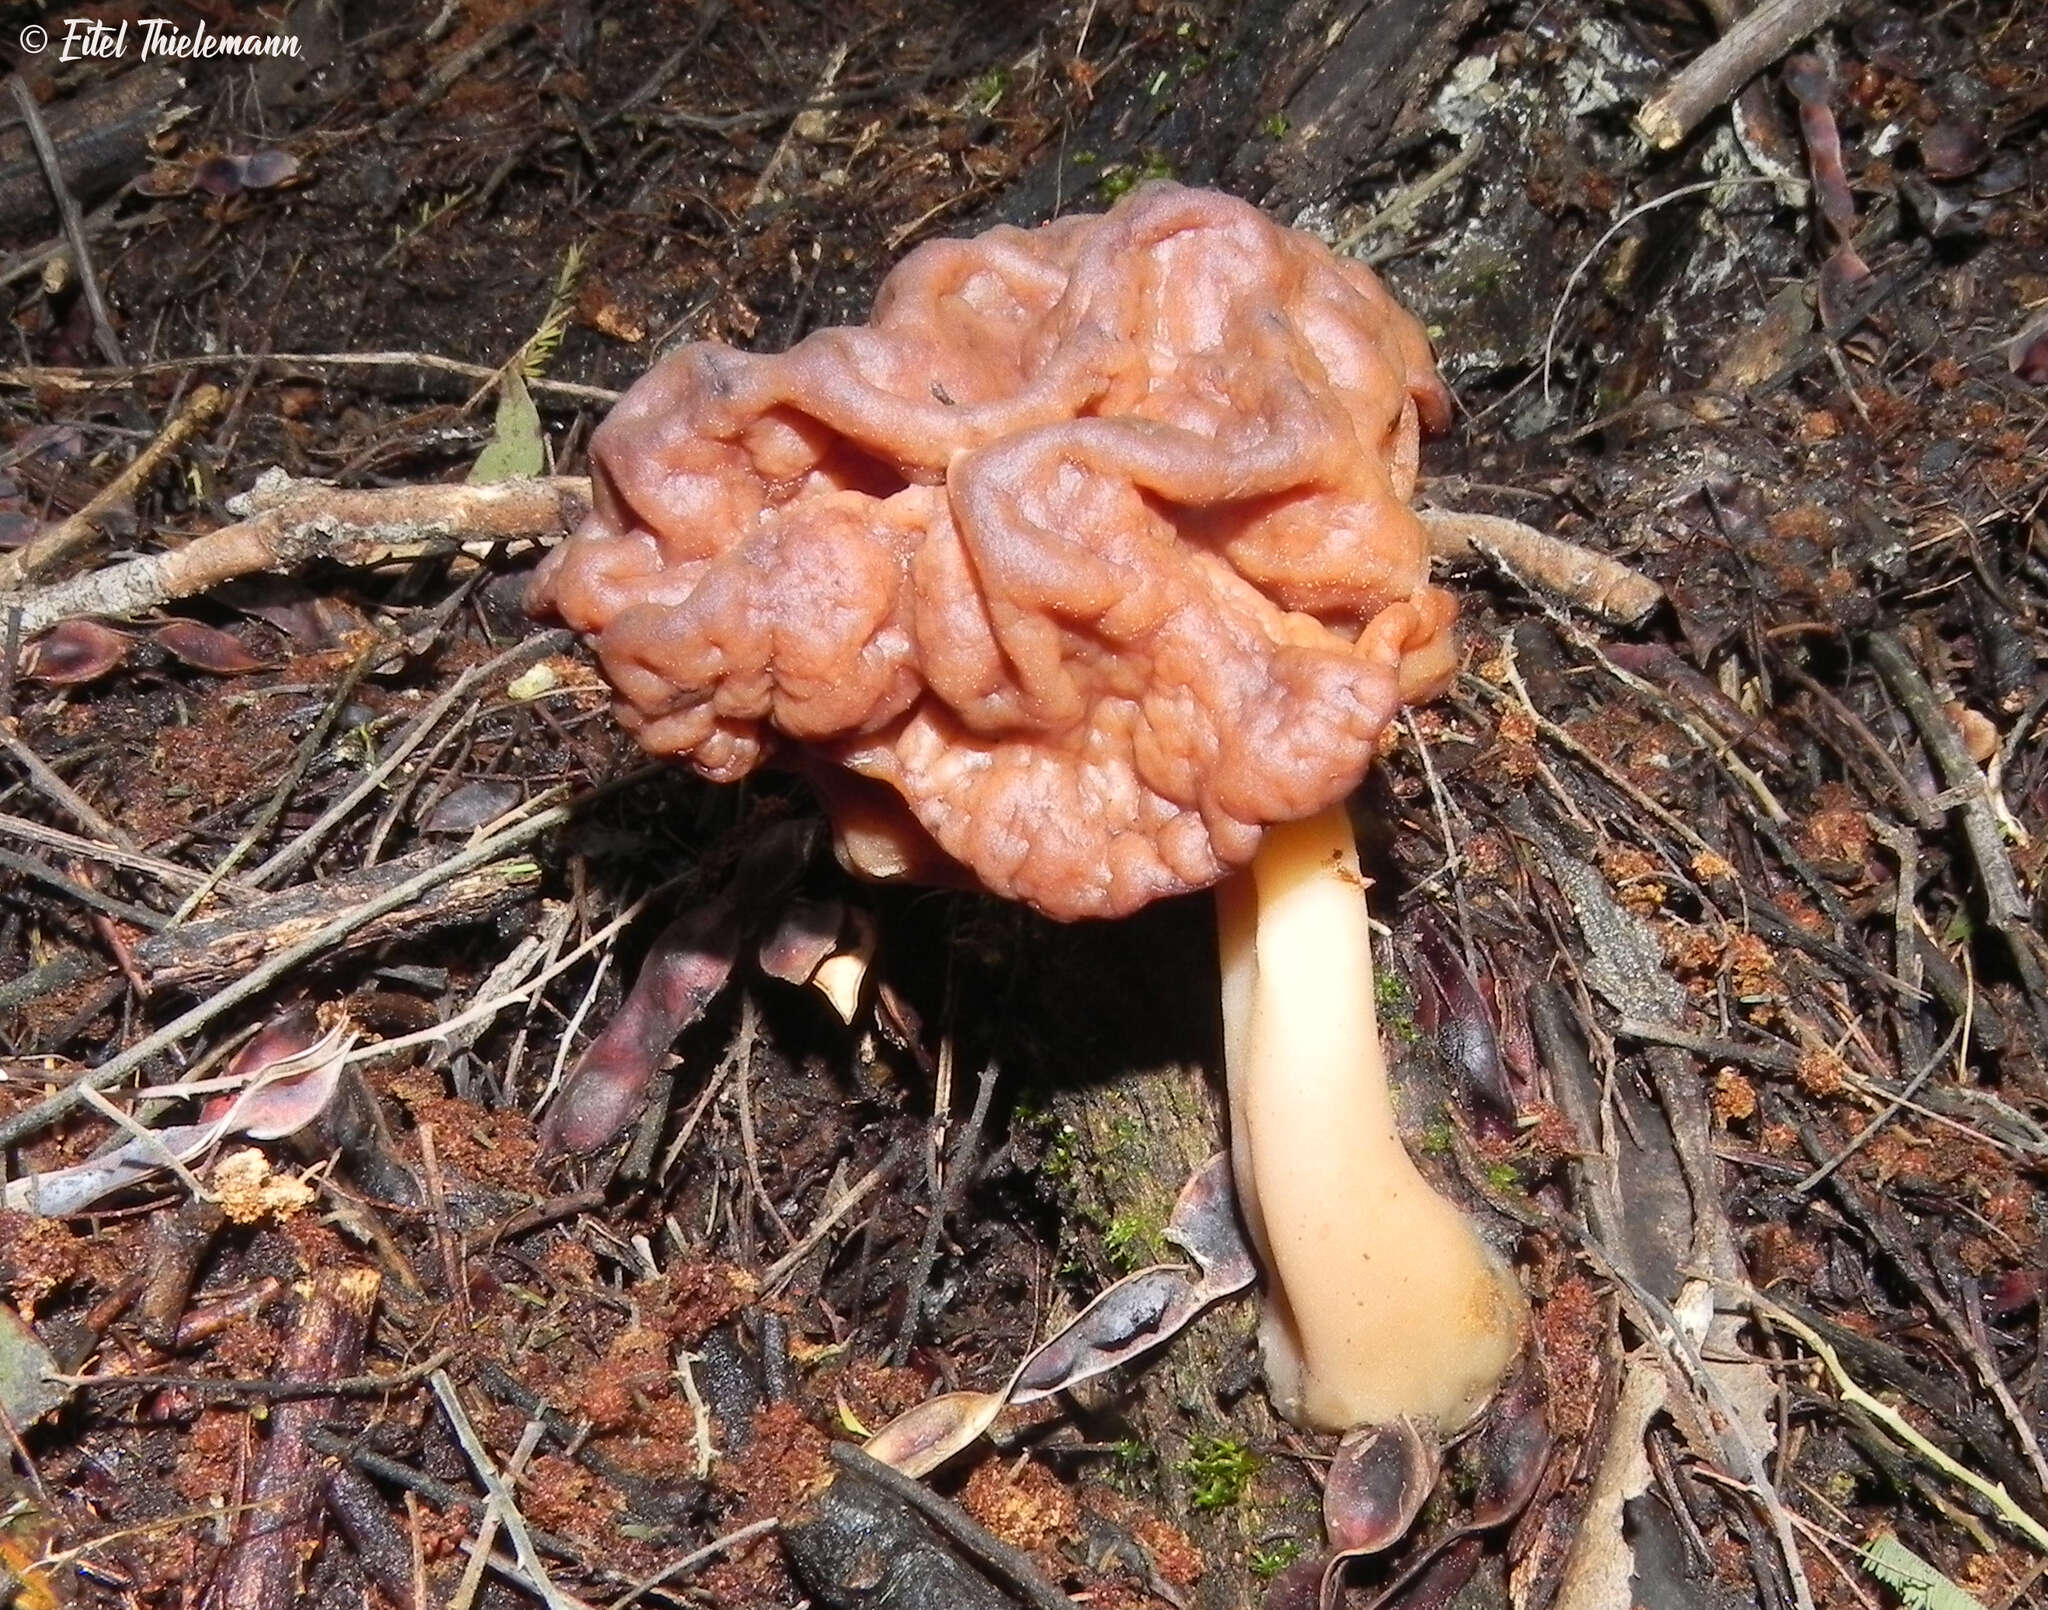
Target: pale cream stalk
point(1381, 1298)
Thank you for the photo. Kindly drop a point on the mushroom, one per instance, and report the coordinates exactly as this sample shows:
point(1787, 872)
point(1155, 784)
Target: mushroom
point(1084, 572)
point(1382, 1300)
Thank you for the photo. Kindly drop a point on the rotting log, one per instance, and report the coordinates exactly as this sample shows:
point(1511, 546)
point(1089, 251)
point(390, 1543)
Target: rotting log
point(102, 137)
point(1346, 74)
point(206, 953)
point(1293, 99)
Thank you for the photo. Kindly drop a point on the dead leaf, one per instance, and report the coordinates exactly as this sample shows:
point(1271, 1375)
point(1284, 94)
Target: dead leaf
point(515, 448)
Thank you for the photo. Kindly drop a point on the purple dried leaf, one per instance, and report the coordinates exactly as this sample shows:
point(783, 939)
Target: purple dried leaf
point(2005, 173)
point(922, 1438)
point(293, 1068)
point(207, 648)
point(316, 622)
point(266, 170)
point(1128, 1320)
point(75, 651)
point(471, 806)
point(1511, 1451)
point(806, 933)
point(292, 1033)
point(1205, 1225)
point(1376, 1486)
point(1843, 279)
point(1453, 1012)
point(218, 176)
point(1299, 1587)
point(54, 444)
point(2027, 356)
point(1437, 1585)
point(1954, 148)
point(684, 971)
point(1807, 78)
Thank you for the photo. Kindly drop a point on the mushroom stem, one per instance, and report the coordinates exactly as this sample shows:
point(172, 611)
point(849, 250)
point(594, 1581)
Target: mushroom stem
point(1382, 1300)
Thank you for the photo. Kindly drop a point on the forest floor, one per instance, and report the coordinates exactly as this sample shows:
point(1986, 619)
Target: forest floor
point(1727, 912)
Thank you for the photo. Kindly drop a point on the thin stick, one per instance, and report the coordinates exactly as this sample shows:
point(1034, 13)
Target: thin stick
point(744, 1041)
point(350, 1386)
point(58, 792)
point(74, 227)
point(33, 1120)
point(296, 522)
point(34, 375)
point(1671, 1339)
point(1898, 1104)
point(501, 1496)
point(696, 1557)
point(1993, 1492)
point(2005, 903)
point(1579, 269)
point(84, 893)
point(79, 531)
point(310, 749)
point(785, 1266)
point(1718, 72)
point(168, 873)
point(958, 1167)
point(513, 660)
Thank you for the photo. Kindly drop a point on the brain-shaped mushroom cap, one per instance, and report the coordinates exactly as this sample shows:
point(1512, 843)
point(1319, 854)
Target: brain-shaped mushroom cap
point(1089, 554)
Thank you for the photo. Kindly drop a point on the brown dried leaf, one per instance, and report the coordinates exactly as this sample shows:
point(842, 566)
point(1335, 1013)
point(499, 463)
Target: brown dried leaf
point(75, 651)
point(206, 648)
point(921, 1439)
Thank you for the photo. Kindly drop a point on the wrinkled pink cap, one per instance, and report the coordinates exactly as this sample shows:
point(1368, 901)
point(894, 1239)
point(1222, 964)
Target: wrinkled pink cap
point(1082, 561)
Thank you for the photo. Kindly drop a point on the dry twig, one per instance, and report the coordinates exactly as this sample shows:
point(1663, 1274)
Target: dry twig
point(1718, 72)
point(287, 523)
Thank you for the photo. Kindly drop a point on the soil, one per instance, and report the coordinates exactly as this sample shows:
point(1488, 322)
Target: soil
point(1713, 971)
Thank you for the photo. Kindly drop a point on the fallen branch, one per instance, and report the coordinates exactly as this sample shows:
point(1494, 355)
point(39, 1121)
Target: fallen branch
point(202, 955)
point(2006, 905)
point(288, 523)
point(278, 1528)
point(1596, 583)
point(1717, 73)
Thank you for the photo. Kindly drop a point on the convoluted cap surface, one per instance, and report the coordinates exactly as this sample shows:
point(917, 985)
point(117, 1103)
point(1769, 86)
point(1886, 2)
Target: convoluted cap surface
point(1091, 548)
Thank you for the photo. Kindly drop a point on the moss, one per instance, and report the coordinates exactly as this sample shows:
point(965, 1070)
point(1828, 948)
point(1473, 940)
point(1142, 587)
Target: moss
point(1438, 1139)
point(1220, 1471)
point(987, 90)
point(1268, 1560)
point(1396, 1003)
point(1134, 1241)
point(1275, 127)
point(1121, 178)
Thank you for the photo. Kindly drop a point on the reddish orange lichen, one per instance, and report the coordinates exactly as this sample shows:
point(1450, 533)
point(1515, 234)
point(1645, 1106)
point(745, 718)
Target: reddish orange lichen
point(1091, 548)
